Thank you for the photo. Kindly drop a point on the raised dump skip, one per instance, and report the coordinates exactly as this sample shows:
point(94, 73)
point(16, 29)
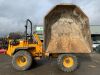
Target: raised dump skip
point(67, 30)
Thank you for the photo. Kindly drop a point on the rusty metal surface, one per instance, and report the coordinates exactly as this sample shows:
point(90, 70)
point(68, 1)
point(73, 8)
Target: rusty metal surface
point(66, 29)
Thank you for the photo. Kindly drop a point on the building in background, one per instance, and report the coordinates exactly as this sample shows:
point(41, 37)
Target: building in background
point(95, 31)
point(95, 34)
point(39, 30)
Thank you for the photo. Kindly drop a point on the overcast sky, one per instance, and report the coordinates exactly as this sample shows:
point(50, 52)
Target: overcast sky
point(13, 13)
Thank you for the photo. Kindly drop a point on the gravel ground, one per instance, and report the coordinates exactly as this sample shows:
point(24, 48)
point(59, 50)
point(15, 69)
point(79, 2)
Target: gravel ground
point(90, 65)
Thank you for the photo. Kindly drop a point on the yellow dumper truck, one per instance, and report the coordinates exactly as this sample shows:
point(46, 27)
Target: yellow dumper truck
point(66, 34)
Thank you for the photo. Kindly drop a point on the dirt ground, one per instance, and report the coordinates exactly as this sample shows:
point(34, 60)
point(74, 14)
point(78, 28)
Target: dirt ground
point(90, 65)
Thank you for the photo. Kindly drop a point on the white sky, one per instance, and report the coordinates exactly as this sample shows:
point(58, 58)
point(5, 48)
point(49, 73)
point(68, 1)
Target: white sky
point(13, 13)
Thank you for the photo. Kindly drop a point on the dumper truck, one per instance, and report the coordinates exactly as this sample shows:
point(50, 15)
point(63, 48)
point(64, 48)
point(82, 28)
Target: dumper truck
point(66, 34)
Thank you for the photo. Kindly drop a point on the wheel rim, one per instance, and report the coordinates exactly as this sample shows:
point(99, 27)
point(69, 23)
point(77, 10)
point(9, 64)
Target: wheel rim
point(68, 62)
point(21, 61)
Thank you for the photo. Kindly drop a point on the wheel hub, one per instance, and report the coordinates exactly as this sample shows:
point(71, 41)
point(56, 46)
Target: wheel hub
point(68, 62)
point(21, 61)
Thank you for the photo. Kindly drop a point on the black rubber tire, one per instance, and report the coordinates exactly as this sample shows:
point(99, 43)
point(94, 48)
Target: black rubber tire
point(21, 53)
point(60, 62)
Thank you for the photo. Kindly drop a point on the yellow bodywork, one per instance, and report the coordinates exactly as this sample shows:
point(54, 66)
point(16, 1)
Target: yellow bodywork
point(34, 48)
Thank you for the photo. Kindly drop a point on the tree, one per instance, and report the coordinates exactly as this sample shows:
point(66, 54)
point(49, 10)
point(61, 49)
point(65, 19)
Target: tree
point(15, 35)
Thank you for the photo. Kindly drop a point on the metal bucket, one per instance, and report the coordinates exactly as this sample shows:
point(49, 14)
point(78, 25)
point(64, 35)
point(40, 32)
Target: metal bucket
point(66, 30)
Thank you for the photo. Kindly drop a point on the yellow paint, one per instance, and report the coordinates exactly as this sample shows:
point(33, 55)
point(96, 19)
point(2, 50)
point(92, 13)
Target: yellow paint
point(35, 48)
point(21, 61)
point(68, 62)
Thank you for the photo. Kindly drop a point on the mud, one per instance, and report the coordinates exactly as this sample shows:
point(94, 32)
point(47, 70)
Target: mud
point(67, 30)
